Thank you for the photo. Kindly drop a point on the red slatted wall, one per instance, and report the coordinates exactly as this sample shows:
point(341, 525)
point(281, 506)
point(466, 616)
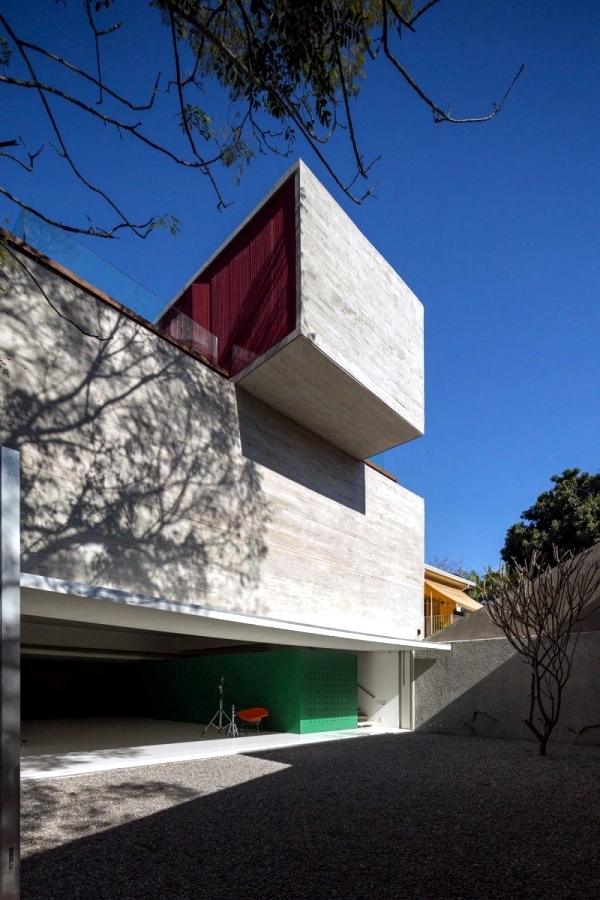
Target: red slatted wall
point(246, 298)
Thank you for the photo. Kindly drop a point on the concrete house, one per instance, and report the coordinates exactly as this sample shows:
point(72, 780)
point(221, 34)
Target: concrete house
point(195, 499)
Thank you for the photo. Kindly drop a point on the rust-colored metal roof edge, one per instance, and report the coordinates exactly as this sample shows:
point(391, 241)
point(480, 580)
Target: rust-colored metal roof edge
point(105, 298)
point(381, 471)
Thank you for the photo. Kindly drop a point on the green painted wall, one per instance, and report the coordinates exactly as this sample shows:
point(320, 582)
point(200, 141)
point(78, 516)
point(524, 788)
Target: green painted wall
point(328, 699)
point(304, 690)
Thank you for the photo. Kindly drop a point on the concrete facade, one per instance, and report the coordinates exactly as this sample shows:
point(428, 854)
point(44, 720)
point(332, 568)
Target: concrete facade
point(144, 470)
point(352, 371)
point(356, 309)
point(168, 511)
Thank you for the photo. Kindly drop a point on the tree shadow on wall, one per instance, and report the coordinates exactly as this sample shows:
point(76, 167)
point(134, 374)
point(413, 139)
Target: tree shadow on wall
point(130, 466)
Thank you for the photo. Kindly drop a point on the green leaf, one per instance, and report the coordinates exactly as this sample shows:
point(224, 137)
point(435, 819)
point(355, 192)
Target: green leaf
point(5, 52)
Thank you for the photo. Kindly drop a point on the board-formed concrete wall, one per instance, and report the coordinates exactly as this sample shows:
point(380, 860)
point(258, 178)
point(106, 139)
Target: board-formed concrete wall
point(355, 308)
point(144, 470)
point(481, 688)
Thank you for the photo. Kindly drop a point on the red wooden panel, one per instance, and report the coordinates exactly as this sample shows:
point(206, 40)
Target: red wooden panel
point(253, 284)
point(247, 297)
point(184, 305)
point(171, 319)
point(201, 304)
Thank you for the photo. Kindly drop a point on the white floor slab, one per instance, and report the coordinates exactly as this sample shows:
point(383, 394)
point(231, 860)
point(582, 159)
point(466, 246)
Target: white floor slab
point(77, 747)
point(44, 737)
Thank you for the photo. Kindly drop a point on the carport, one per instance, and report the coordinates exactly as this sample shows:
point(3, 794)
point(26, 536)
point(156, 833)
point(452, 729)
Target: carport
point(83, 686)
point(111, 678)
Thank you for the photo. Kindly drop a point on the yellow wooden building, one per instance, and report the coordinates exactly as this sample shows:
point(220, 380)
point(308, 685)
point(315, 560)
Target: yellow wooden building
point(446, 599)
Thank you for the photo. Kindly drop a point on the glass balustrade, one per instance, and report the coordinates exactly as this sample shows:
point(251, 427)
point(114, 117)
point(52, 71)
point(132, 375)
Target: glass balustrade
point(70, 253)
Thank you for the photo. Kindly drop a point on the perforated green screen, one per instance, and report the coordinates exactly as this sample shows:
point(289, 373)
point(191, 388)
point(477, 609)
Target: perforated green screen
point(304, 690)
point(327, 691)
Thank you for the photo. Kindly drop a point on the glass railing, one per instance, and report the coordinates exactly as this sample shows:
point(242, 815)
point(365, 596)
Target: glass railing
point(64, 249)
point(378, 459)
point(186, 331)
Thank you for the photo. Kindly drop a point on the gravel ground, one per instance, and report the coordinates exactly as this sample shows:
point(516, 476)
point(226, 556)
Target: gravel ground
point(392, 816)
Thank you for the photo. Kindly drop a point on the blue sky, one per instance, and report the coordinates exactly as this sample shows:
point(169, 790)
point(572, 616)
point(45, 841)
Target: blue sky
point(495, 227)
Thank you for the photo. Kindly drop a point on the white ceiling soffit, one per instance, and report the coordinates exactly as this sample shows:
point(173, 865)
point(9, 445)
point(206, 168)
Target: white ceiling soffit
point(55, 598)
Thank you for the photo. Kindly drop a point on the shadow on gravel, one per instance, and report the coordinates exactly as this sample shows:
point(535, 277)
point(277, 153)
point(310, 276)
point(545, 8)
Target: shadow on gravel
point(393, 816)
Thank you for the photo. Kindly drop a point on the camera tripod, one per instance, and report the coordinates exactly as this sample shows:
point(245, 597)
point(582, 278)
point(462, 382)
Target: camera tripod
point(232, 729)
point(220, 715)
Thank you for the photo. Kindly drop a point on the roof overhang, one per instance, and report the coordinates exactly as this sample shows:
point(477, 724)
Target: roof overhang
point(304, 384)
point(443, 592)
point(68, 600)
point(448, 578)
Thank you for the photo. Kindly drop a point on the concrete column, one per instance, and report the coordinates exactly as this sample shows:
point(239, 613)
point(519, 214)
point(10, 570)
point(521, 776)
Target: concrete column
point(10, 670)
point(407, 703)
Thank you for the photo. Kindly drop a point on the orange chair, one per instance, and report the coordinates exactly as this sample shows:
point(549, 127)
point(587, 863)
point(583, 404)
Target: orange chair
point(253, 716)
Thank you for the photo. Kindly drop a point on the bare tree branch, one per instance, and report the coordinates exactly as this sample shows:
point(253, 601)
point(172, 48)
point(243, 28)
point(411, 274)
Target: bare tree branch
point(108, 120)
point(142, 230)
point(439, 115)
point(357, 155)
point(541, 609)
point(97, 35)
point(32, 156)
point(99, 84)
point(270, 59)
point(184, 119)
point(421, 11)
point(139, 230)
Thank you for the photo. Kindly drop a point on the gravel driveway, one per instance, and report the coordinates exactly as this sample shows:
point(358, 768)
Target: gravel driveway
point(406, 816)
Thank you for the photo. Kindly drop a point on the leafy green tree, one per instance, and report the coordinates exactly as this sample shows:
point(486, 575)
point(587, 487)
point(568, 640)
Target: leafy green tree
point(484, 582)
point(285, 70)
point(566, 517)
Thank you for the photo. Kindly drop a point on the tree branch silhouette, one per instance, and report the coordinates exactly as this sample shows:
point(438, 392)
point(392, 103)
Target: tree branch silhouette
point(300, 66)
